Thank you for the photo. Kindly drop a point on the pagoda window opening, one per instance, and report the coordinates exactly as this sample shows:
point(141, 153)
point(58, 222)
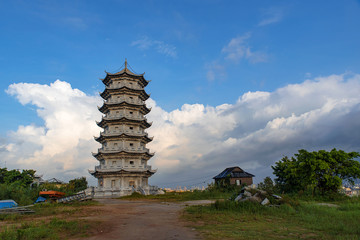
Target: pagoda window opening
point(131, 128)
point(131, 183)
point(131, 144)
point(132, 162)
point(101, 182)
point(131, 112)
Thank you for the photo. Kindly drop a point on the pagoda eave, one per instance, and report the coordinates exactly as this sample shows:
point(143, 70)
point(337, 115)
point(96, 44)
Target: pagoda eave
point(110, 76)
point(144, 138)
point(100, 173)
point(106, 107)
point(101, 155)
point(103, 121)
point(106, 93)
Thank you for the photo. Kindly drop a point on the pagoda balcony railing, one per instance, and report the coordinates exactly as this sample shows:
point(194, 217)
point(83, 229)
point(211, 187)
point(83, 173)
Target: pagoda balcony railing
point(109, 168)
point(126, 149)
point(119, 132)
point(119, 100)
point(129, 116)
point(120, 85)
point(125, 189)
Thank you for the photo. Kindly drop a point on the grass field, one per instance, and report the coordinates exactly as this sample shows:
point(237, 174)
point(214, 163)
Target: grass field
point(50, 221)
point(298, 220)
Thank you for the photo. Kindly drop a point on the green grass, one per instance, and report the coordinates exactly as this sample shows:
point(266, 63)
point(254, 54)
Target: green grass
point(292, 220)
point(57, 225)
point(181, 196)
point(54, 229)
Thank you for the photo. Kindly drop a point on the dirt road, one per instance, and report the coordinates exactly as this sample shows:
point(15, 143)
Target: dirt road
point(122, 219)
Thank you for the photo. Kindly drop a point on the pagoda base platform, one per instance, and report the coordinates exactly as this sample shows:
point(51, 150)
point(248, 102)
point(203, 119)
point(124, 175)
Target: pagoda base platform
point(114, 193)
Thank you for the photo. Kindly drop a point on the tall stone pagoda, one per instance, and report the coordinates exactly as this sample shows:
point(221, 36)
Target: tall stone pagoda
point(123, 156)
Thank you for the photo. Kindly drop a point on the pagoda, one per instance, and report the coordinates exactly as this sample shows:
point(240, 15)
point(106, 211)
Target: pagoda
point(123, 158)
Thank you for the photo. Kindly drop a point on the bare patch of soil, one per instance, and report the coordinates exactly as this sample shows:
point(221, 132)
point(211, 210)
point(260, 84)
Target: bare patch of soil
point(123, 219)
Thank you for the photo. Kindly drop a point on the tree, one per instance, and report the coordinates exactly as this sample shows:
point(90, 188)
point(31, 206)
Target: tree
point(24, 178)
point(320, 171)
point(267, 185)
point(78, 184)
point(16, 185)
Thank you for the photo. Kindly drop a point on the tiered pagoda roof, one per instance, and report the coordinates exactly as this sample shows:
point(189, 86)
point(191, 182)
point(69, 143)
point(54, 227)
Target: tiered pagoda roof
point(125, 119)
point(110, 136)
point(143, 153)
point(103, 172)
point(107, 105)
point(122, 90)
point(125, 73)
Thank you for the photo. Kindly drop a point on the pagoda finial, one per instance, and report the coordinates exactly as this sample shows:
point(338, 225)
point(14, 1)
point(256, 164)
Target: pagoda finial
point(125, 63)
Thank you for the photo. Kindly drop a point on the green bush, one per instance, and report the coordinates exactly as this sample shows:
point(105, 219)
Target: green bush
point(20, 194)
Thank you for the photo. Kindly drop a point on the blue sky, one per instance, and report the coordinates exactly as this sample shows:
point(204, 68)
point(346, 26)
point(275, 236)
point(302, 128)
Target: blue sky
point(195, 52)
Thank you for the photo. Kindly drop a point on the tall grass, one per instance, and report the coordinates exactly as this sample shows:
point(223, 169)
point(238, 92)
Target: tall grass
point(292, 219)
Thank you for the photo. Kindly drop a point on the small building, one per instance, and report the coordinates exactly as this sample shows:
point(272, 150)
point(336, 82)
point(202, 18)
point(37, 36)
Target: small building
point(234, 176)
point(37, 179)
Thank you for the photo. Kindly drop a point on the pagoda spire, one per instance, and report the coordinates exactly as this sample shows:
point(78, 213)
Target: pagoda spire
point(125, 63)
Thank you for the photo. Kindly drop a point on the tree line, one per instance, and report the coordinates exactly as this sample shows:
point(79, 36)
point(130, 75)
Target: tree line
point(318, 172)
point(19, 186)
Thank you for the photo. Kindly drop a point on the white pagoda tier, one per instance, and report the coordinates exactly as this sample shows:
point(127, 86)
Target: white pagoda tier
point(123, 156)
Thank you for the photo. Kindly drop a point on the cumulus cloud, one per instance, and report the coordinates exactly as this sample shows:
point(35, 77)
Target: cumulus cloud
point(63, 144)
point(160, 46)
point(195, 142)
point(238, 49)
point(258, 129)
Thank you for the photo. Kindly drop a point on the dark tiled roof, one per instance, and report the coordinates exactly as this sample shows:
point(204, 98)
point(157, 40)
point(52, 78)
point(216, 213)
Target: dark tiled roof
point(237, 174)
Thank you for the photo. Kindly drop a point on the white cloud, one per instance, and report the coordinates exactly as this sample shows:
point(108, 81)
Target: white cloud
point(271, 15)
point(258, 129)
point(146, 43)
point(196, 141)
point(64, 142)
point(238, 49)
